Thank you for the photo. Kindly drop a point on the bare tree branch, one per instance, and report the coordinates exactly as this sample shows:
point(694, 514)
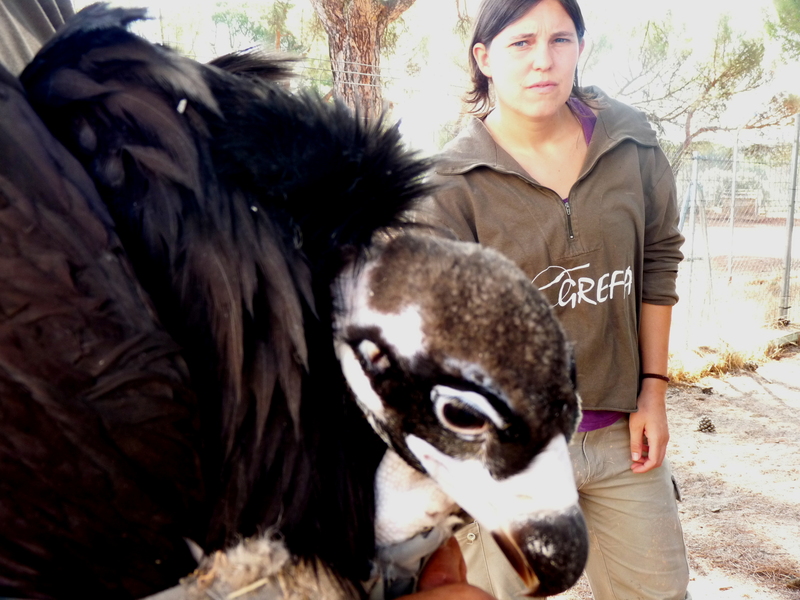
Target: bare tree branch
point(675, 87)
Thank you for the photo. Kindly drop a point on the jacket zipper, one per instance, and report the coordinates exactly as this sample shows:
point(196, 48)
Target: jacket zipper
point(568, 208)
point(565, 201)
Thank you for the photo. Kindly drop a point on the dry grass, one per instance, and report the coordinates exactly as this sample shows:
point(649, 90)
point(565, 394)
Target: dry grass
point(741, 508)
point(744, 551)
point(690, 366)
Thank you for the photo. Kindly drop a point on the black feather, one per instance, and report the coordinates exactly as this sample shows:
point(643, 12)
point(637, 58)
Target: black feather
point(237, 202)
point(257, 63)
point(93, 392)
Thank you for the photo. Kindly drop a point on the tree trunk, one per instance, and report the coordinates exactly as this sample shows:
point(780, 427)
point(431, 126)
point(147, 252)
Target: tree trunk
point(355, 29)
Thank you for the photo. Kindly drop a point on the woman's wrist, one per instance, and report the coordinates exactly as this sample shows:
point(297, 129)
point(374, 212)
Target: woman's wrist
point(658, 376)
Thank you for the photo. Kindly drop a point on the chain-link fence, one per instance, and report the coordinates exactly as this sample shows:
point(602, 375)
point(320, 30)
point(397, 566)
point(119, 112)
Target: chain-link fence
point(741, 252)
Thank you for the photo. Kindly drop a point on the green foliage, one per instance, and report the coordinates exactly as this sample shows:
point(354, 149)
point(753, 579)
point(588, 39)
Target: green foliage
point(250, 24)
point(391, 35)
point(787, 28)
point(736, 66)
point(593, 55)
point(463, 26)
point(769, 154)
point(416, 60)
point(267, 24)
point(316, 73)
point(317, 78)
point(780, 109)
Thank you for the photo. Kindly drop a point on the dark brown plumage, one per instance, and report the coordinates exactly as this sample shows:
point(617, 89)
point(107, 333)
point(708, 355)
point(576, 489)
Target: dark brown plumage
point(93, 392)
point(236, 202)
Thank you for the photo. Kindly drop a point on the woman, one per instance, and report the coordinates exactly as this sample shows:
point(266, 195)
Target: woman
point(573, 187)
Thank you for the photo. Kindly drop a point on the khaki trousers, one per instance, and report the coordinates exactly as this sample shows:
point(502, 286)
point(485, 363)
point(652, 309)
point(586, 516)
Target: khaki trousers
point(636, 548)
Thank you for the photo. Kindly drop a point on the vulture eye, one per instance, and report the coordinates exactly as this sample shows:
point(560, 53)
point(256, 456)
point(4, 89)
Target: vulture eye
point(373, 357)
point(460, 418)
point(467, 414)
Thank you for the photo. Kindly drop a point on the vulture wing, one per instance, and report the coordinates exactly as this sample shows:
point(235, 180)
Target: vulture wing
point(93, 392)
point(237, 202)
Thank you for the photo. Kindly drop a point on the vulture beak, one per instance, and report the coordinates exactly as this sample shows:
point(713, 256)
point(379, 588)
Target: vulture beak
point(534, 515)
point(548, 553)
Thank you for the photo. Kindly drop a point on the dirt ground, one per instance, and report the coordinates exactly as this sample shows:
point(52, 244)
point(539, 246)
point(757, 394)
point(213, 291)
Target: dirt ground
point(740, 484)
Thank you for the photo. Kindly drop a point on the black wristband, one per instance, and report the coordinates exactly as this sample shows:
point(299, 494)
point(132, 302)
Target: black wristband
point(654, 376)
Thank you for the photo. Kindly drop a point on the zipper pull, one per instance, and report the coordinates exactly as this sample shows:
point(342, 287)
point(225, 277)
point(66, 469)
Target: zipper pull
point(568, 208)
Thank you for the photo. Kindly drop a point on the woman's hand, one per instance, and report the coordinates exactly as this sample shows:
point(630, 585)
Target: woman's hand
point(445, 577)
point(648, 426)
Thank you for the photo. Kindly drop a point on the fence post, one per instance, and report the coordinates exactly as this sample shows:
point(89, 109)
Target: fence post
point(690, 198)
point(733, 204)
point(787, 269)
point(693, 198)
point(691, 206)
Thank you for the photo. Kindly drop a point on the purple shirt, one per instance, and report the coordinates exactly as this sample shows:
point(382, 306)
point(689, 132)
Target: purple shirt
point(592, 419)
point(585, 116)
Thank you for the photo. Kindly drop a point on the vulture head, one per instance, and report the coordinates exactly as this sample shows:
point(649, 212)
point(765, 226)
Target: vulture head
point(459, 365)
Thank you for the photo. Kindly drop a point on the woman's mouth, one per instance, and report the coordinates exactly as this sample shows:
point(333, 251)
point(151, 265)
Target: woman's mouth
point(542, 86)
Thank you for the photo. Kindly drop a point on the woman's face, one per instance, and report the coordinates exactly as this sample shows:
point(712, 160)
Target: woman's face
point(532, 61)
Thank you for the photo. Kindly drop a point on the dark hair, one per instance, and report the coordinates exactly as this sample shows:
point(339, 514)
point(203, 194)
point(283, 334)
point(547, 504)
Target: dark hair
point(493, 17)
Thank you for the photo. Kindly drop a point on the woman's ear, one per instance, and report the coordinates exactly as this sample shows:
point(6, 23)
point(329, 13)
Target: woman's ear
point(481, 55)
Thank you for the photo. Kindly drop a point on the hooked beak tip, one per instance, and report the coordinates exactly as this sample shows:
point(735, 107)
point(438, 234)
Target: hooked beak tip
point(549, 553)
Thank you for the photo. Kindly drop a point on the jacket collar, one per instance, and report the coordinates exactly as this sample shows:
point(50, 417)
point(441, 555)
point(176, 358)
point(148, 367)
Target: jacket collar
point(475, 147)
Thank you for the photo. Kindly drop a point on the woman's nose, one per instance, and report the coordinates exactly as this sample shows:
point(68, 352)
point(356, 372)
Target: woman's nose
point(541, 58)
